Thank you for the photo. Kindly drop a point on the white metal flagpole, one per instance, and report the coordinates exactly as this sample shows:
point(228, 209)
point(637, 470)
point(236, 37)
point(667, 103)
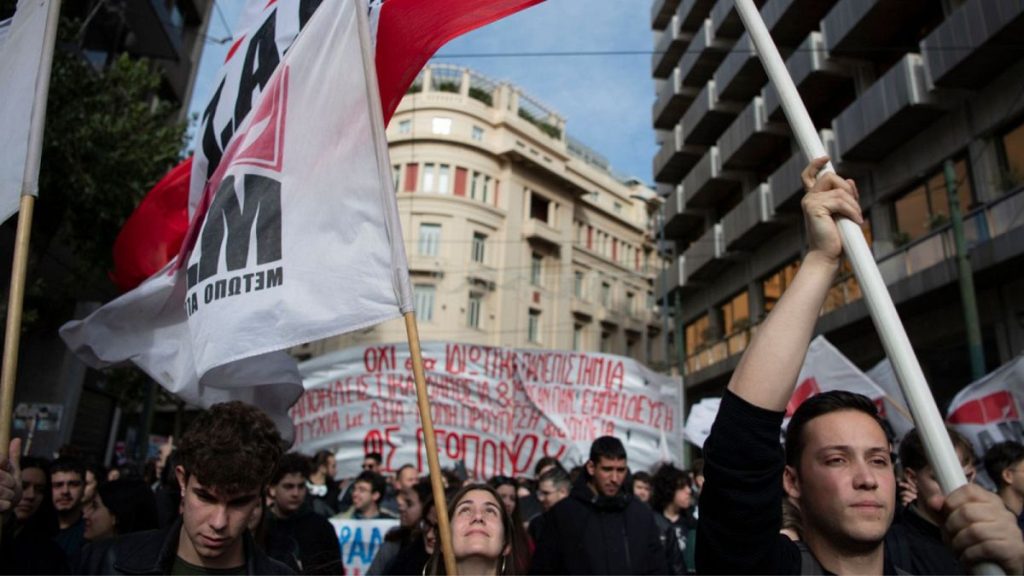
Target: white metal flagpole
point(894, 338)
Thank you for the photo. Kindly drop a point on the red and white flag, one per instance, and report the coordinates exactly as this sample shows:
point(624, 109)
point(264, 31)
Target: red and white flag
point(826, 368)
point(989, 410)
point(294, 236)
point(409, 33)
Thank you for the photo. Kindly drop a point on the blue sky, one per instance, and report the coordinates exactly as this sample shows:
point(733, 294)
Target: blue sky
point(605, 99)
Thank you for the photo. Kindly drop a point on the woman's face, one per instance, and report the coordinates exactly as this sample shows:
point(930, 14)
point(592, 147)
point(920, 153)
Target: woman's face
point(509, 498)
point(430, 531)
point(410, 509)
point(683, 497)
point(476, 526)
point(90, 486)
point(99, 522)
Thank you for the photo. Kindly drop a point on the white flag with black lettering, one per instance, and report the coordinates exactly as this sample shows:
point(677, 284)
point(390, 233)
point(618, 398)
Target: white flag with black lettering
point(296, 236)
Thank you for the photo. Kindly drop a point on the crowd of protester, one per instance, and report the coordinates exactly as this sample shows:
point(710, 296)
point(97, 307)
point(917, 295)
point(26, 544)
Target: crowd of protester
point(833, 499)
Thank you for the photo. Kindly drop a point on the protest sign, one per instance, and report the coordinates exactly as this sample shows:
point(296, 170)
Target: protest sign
point(988, 411)
point(498, 410)
point(360, 540)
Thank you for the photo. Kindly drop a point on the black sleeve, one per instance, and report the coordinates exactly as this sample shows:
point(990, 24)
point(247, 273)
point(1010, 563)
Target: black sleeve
point(741, 502)
point(657, 560)
point(325, 556)
point(546, 558)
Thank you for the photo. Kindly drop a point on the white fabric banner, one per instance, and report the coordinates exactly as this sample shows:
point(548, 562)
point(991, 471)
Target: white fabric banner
point(826, 368)
point(359, 541)
point(699, 420)
point(21, 52)
point(988, 411)
point(300, 240)
point(498, 410)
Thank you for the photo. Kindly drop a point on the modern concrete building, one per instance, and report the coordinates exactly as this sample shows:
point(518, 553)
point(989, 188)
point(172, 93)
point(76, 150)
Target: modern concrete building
point(516, 234)
point(896, 87)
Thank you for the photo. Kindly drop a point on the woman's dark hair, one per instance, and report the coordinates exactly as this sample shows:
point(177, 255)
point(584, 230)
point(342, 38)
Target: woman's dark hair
point(518, 556)
point(45, 519)
point(664, 484)
point(132, 503)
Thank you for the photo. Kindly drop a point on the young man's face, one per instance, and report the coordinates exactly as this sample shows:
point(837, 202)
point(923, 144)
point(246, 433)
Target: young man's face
point(363, 496)
point(607, 475)
point(332, 467)
point(642, 490)
point(68, 488)
point(930, 497)
point(213, 523)
point(289, 493)
point(406, 479)
point(33, 491)
point(548, 495)
point(371, 465)
point(845, 485)
point(1013, 476)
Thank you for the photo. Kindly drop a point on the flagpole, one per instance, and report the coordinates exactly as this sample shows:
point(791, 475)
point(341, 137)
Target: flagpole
point(29, 188)
point(894, 338)
point(434, 465)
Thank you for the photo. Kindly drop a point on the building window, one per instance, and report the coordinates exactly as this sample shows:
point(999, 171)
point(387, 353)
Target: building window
point(776, 284)
point(617, 208)
point(630, 303)
point(1013, 154)
point(478, 134)
point(443, 178)
point(475, 184)
point(487, 189)
point(396, 175)
point(606, 294)
point(926, 207)
point(423, 300)
point(428, 177)
point(577, 284)
point(606, 342)
point(430, 238)
point(533, 326)
point(698, 334)
point(473, 310)
point(479, 242)
point(405, 127)
point(577, 337)
point(539, 207)
point(441, 126)
point(536, 269)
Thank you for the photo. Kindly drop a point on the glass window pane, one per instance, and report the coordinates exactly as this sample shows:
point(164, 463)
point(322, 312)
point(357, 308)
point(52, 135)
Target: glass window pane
point(423, 300)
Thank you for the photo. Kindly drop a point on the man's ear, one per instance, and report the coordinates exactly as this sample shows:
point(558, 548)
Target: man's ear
point(1007, 475)
point(182, 476)
point(791, 482)
point(911, 476)
point(590, 467)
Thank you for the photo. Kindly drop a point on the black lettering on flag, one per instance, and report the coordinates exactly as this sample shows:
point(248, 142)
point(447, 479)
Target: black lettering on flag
point(306, 9)
point(261, 59)
point(275, 277)
point(211, 147)
point(226, 216)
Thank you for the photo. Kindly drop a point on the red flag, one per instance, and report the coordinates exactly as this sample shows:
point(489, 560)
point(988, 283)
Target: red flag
point(408, 33)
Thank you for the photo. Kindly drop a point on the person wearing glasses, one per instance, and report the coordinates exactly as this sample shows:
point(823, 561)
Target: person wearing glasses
point(367, 491)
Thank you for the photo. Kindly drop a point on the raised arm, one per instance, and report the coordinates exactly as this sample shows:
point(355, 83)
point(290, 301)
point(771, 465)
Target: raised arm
point(767, 373)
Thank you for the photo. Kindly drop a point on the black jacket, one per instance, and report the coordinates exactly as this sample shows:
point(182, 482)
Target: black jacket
point(319, 551)
point(590, 534)
point(154, 551)
point(30, 549)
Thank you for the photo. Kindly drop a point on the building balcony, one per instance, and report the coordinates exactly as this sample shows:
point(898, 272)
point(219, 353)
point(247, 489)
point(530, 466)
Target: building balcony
point(705, 258)
point(971, 46)
point(707, 184)
point(789, 20)
point(673, 100)
point(583, 308)
point(751, 142)
point(751, 222)
point(681, 222)
point(853, 26)
point(741, 74)
point(673, 280)
point(536, 231)
point(481, 276)
point(787, 187)
point(692, 13)
point(895, 108)
point(669, 49)
point(702, 57)
point(675, 158)
point(707, 117)
point(661, 13)
point(825, 87)
point(726, 19)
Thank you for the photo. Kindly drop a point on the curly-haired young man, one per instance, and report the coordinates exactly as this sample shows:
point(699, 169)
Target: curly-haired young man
point(223, 465)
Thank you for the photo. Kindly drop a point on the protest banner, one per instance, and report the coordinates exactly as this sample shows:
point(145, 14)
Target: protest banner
point(359, 541)
point(498, 410)
point(988, 411)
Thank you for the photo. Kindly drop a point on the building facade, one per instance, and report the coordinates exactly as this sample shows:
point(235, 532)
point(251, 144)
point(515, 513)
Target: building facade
point(897, 88)
point(516, 234)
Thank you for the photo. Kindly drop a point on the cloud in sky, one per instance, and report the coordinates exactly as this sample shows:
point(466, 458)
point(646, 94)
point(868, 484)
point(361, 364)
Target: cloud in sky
point(606, 99)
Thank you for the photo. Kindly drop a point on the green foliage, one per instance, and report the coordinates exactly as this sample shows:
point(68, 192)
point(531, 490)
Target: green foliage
point(108, 139)
point(448, 86)
point(481, 95)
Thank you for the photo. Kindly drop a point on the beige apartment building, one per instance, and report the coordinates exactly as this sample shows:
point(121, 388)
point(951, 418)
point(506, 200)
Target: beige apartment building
point(516, 234)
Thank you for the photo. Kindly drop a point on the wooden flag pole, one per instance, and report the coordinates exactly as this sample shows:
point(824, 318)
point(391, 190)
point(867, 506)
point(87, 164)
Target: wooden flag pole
point(894, 338)
point(444, 532)
point(16, 297)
